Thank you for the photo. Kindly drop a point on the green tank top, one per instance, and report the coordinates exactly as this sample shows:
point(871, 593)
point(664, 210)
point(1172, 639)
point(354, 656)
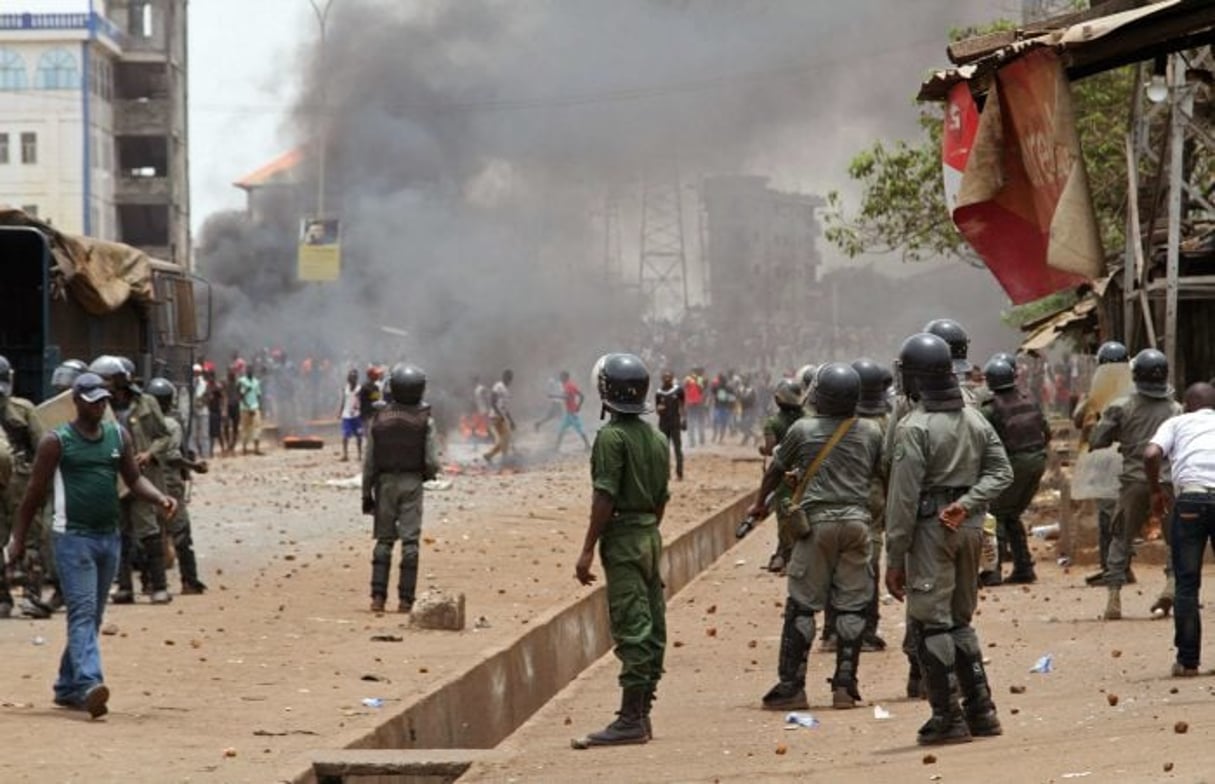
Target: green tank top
point(86, 480)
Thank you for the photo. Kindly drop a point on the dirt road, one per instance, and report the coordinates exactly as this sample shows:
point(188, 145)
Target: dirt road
point(275, 660)
point(1108, 712)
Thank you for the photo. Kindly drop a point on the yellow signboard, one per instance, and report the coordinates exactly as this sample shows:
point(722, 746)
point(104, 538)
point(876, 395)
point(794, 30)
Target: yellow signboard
point(320, 252)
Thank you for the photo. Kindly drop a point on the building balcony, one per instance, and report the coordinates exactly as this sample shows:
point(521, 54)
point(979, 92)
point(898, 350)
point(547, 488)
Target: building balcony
point(93, 24)
point(142, 117)
point(133, 189)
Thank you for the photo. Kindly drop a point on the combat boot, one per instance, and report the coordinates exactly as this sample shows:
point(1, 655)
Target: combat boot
point(377, 604)
point(845, 692)
point(978, 708)
point(645, 711)
point(795, 638)
point(122, 596)
point(629, 726)
point(1023, 559)
point(947, 724)
point(1113, 604)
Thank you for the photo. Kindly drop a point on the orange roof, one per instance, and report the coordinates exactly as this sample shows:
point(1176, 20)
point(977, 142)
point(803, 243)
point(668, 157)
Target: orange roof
point(271, 171)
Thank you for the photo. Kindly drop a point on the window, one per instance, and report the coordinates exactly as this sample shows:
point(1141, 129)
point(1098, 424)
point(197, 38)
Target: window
point(139, 18)
point(12, 71)
point(57, 70)
point(29, 148)
point(30, 210)
point(3, 148)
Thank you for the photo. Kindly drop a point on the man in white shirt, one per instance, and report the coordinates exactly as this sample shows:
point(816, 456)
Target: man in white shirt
point(1188, 442)
point(501, 423)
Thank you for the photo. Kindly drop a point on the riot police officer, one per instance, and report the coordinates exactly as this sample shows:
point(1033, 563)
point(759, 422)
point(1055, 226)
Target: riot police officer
point(1084, 418)
point(874, 406)
point(948, 464)
point(23, 431)
point(955, 335)
point(178, 463)
point(142, 536)
point(1132, 420)
point(1023, 430)
point(833, 458)
point(630, 471)
point(402, 453)
point(788, 397)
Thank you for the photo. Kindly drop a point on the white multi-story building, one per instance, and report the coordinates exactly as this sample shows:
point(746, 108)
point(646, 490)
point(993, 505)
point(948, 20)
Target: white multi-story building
point(93, 118)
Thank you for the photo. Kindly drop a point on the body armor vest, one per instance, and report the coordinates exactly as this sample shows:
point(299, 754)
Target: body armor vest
point(399, 439)
point(1021, 423)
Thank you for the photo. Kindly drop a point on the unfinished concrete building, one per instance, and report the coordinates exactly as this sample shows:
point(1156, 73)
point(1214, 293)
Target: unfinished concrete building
point(151, 189)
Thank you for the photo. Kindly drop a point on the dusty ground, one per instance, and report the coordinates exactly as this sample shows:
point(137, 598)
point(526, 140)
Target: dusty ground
point(276, 659)
point(1108, 711)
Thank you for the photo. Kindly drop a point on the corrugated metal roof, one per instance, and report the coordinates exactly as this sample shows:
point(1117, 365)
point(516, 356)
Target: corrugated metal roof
point(1055, 326)
point(271, 171)
point(1094, 44)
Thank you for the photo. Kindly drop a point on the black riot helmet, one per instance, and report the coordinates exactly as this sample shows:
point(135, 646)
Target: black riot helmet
point(959, 342)
point(837, 388)
point(1150, 372)
point(925, 364)
point(999, 375)
point(407, 384)
point(6, 377)
point(875, 380)
point(162, 389)
point(1112, 352)
point(65, 375)
point(788, 394)
point(1005, 357)
point(623, 383)
point(112, 369)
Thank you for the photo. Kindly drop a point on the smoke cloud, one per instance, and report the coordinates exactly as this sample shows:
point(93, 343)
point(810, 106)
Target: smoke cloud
point(471, 146)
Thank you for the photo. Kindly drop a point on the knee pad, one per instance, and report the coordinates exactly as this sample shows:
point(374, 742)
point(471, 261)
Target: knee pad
point(937, 645)
point(966, 641)
point(409, 552)
point(800, 619)
point(849, 625)
point(382, 552)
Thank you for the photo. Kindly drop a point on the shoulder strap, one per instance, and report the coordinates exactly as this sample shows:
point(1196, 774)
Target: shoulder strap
point(821, 457)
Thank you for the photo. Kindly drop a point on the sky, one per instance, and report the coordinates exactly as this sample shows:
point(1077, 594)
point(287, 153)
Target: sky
point(243, 58)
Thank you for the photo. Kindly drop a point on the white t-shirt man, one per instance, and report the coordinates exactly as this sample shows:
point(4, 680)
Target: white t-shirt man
point(1188, 441)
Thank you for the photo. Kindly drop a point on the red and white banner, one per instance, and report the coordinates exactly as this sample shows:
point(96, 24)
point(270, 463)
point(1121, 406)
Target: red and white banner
point(1023, 202)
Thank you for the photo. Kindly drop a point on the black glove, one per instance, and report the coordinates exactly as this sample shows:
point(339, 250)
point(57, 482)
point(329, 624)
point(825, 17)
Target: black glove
point(368, 505)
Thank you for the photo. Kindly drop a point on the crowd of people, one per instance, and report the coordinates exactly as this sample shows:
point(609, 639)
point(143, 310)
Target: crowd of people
point(941, 468)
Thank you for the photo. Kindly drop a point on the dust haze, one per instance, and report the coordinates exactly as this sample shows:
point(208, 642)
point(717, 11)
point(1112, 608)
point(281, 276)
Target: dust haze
point(471, 146)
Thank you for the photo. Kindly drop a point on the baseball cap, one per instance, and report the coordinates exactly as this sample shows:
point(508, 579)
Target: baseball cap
point(198, 368)
point(90, 388)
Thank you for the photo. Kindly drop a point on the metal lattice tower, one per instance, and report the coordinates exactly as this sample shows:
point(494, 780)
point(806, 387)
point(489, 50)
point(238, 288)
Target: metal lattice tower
point(663, 269)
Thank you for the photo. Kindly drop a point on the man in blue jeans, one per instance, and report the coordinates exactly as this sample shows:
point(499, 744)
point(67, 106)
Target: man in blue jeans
point(82, 461)
point(1188, 441)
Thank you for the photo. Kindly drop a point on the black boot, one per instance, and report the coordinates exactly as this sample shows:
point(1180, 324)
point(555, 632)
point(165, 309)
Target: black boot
point(629, 726)
point(795, 639)
point(645, 711)
point(980, 711)
point(381, 566)
point(407, 582)
point(1023, 560)
point(947, 724)
point(845, 692)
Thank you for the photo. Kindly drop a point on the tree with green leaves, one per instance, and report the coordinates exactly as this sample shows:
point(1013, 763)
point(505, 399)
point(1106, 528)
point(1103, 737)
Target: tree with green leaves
point(902, 204)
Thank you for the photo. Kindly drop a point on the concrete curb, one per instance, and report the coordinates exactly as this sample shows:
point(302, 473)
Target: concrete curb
point(481, 707)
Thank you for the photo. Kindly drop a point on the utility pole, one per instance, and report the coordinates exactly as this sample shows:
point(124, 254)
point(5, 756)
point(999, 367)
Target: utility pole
point(322, 19)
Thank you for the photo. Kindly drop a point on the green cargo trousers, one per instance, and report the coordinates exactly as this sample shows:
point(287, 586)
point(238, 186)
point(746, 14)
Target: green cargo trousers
point(636, 605)
point(35, 538)
point(398, 515)
point(943, 574)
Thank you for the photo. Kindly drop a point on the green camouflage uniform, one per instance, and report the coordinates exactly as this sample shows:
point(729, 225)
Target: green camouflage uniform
point(175, 475)
point(1132, 420)
point(629, 464)
point(22, 430)
point(941, 457)
point(830, 566)
point(141, 531)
